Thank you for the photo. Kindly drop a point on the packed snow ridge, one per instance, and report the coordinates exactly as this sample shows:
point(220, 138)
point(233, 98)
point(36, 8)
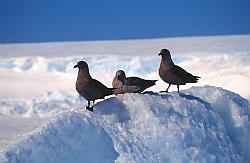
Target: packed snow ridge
point(201, 124)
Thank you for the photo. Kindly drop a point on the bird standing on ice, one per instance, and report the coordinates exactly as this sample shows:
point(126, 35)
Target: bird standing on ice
point(173, 74)
point(88, 87)
point(130, 84)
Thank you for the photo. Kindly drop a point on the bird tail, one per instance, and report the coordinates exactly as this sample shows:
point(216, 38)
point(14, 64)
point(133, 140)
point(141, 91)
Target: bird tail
point(110, 91)
point(150, 83)
point(195, 79)
point(153, 81)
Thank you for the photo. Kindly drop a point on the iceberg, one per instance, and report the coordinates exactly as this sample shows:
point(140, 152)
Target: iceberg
point(201, 124)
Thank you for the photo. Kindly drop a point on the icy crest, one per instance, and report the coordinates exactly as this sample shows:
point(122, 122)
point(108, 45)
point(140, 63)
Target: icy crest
point(202, 124)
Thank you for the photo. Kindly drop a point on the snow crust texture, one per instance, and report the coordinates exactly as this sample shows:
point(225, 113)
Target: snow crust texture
point(201, 124)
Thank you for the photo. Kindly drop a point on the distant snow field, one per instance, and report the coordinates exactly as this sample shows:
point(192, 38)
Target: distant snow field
point(37, 83)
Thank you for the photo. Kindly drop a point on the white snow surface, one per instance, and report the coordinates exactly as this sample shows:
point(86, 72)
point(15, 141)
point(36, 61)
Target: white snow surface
point(37, 86)
point(140, 47)
point(38, 79)
point(201, 124)
point(204, 124)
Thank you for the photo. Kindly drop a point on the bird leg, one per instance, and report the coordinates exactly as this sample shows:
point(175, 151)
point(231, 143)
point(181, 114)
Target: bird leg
point(167, 88)
point(88, 107)
point(178, 87)
point(91, 108)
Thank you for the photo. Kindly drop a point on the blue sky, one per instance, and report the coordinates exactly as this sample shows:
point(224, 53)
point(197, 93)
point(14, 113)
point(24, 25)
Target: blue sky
point(74, 20)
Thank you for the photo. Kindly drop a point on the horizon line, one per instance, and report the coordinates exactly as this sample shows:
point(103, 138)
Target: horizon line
point(122, 39)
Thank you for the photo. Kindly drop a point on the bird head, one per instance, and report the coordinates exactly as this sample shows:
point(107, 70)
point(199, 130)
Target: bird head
point(120, 74)
point(165, 54)
point(81, 65)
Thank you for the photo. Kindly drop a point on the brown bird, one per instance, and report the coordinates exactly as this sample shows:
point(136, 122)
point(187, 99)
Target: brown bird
point(91, 89)
point(173, 74)
point(130, 84)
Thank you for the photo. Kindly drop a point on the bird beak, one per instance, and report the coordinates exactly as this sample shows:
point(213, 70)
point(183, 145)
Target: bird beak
point(159, 54)
point(75, 66)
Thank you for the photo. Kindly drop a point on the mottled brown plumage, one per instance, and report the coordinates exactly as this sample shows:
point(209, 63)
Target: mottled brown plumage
point(173, 74)
point(88, 87)
point(130, 84)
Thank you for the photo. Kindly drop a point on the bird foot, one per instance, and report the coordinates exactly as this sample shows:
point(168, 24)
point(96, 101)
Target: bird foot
point(163, 91)
point(89, 108)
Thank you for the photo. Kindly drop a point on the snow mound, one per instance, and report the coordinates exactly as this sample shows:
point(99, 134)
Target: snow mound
point(69, 138)
point(201, 124)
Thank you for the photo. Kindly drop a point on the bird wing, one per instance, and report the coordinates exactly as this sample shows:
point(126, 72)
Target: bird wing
point(183, 74)
point(105, 90)
point(99, 84)
point(139, 82)
point(133, 81)
point(180, 72)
